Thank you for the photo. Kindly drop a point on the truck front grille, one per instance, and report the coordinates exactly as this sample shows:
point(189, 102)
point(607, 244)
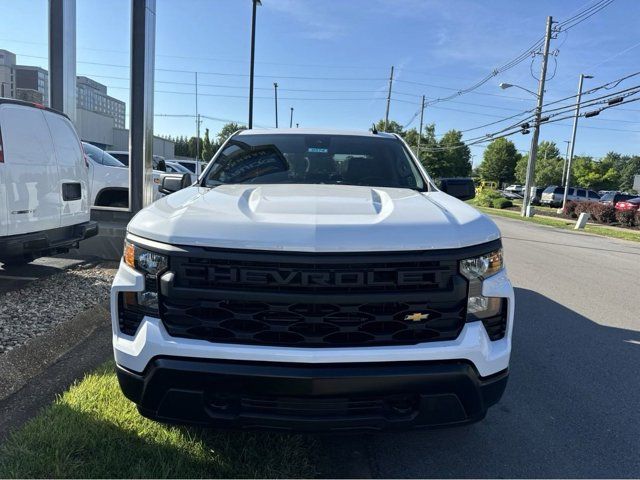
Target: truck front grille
point(306, 300)
point(312, 324)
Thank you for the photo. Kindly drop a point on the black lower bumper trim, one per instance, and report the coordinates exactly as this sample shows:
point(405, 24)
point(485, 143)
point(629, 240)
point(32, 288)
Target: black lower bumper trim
point(46, 242)
point(296, 397)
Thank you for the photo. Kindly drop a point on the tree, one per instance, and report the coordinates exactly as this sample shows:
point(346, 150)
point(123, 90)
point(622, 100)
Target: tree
point(628, 171)
point(207, 147)
point(453, 159)
point(549, 165)
point(589, 173)
point(392, 127)
point(227, 130)
point(499, 161)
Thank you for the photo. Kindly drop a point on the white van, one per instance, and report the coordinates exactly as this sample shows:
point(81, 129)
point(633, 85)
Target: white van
point(44, 196)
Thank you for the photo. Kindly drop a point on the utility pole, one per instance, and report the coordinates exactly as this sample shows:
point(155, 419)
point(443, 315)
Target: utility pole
point(573, 138)
point(291, 118)
point(386, 116)
point(420, 131)
point(275, 89)
point(197, 122)
point(252, 60)
point(564, 164)
point(531, 166)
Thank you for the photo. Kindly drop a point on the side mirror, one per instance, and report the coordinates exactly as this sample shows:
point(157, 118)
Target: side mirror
point(461, 188)
point(173, 182)
point(161, 166)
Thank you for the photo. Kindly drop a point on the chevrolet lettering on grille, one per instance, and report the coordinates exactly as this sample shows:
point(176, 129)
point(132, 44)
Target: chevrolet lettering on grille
point(320, 278)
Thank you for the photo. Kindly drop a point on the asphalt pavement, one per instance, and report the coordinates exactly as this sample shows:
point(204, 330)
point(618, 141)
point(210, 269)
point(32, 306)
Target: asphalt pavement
point(572, 406)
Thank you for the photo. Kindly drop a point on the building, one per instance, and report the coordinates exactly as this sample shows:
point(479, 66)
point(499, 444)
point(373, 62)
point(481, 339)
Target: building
point(161, 146)
point(92, 96)
point(100, 118)
point(32, 84)
point(7, 73)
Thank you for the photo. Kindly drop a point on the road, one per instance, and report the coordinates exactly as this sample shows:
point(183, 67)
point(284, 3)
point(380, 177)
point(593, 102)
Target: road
point(572, 406)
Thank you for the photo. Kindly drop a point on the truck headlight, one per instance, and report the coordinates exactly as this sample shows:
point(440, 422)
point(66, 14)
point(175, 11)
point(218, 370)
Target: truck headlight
point(152, 264)
point(482, 266)
point(145, 261)
point(490, 310)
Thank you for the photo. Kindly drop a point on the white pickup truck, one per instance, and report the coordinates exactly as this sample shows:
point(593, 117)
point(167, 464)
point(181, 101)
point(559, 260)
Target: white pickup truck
point(313, 280)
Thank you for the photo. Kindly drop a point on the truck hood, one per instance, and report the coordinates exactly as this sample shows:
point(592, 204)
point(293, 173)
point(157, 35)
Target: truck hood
point(313, 218)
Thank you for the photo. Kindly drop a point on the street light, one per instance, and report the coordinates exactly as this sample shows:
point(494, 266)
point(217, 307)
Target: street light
point(251, 63)
point(573, 138)
point(504, 86)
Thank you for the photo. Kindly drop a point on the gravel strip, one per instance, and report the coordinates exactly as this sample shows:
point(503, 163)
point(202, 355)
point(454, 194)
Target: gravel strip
point(50, 301)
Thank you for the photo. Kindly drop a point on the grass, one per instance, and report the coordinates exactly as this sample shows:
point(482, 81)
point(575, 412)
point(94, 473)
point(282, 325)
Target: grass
point(566, 224)
point(93, 431)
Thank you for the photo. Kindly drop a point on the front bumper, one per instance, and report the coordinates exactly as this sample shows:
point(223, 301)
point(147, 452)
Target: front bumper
point(294, 397)
point(151, 340)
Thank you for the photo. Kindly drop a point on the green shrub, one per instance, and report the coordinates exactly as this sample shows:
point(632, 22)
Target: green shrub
point(502, 203)
point(486, 198)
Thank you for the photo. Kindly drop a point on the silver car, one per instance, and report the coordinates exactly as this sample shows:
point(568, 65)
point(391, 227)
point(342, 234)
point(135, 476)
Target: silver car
point(552, 196)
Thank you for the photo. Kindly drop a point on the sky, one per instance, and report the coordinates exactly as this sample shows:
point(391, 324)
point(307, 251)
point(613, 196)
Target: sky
point(332, 59)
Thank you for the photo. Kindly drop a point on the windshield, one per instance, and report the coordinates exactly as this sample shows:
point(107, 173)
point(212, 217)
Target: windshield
point(100, 156)
point(176, 167)
point(315, 159)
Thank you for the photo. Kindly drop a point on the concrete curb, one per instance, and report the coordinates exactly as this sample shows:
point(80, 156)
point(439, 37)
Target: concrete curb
point(33, 374)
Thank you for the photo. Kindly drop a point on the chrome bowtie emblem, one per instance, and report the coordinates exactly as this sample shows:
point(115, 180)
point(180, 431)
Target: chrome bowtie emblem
point(416, 317)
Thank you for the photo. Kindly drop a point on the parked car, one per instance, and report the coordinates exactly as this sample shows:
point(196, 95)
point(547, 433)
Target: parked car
point(325, 271)
point(175, 167)
point(628, 205)
point(123, 156)
point(44, 183)
point(194, 166)
point(553, 195)
point(511, 195)
point(108, 179)
point(612, 198)
point(519, 189)
point(535, 200)
point(159, 167)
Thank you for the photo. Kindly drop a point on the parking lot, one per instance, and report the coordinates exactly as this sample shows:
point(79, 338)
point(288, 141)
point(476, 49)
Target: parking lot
point(571, 406)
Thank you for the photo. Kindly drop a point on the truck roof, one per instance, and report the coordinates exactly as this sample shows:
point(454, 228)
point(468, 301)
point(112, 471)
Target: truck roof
point(314, 131)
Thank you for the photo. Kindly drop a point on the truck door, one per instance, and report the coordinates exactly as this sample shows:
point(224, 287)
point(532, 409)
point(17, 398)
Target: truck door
point(73, 183)
point(30, 172)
